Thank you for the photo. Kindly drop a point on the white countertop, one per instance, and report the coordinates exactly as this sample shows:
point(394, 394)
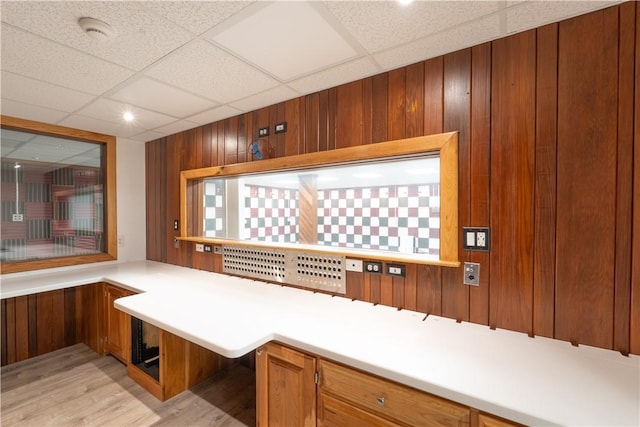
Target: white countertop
point(534, 381)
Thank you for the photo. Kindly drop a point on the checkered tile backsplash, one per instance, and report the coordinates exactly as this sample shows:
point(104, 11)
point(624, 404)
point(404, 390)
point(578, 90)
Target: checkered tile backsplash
point(403, 218)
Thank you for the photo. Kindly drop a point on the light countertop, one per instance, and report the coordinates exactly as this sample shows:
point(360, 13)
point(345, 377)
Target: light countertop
point(534, 381)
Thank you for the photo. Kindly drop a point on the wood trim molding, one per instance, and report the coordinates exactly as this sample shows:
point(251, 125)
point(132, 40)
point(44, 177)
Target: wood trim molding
point(111, 243)
point(444, 144)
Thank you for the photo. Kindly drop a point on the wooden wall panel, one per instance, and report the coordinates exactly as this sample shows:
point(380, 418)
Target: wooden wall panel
point(527, 115)
point(457, 117)
point(512, 166)
point(480, 158)
point(544, 259)
point(634, 344)
point(624, 179)
point(349, 115)
point(587, 178)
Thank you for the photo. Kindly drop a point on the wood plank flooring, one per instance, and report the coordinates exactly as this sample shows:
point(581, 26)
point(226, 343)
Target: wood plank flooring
point(76, 387)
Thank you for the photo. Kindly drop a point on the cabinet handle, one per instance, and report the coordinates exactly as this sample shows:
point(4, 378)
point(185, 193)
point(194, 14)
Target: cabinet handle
point(259, 352)
point(380, 401)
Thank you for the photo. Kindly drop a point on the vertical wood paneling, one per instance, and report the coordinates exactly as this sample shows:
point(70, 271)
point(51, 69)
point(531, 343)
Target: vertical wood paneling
point(587, 178)
point(414, 103)
point(429, 290)
point(3, 332)
point(457, 117)
point(512, 168)
point(480, 173)
point(396, 104)
point(379, 100)
point(9, 314)
point(544, 259)
point(634, 343)
point(349, 115)
point(22, 328)
point(624, 181)
point(32, 306)
point(527, 114)
point(69, 317)
point(433, 95)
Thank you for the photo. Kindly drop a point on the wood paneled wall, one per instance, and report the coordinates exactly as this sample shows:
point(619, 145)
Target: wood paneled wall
point(548, 124)
point(37, 324)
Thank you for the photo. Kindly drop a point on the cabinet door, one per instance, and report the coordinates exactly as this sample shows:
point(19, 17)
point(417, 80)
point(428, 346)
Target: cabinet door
point(485, 420)
point(285, 387)
point(118, 337)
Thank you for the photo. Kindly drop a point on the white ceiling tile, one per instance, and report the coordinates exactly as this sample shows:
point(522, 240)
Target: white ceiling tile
point(529, 14)
point(141, 37)
point(146, 136)
point(479, 31)
point(30, 112)
point(196, 16)
point(105, 109)
point(200, 67)
point(218, 113)
point(156, 96)
point(30, 91)
point(316, 46)
point(101, 126)
point(269, 97)
point(336, 76)
point(60, 65)
point(380, 25)
point(175, 127)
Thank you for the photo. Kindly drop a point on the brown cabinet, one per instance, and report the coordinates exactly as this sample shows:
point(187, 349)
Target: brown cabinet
point(181, 365)
point(285, 387)
point(363, 399)
point(486, 420)
point(118, 337)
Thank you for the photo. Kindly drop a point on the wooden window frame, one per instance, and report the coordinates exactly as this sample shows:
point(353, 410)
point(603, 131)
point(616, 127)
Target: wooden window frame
point(110, 213)
point(445, 145)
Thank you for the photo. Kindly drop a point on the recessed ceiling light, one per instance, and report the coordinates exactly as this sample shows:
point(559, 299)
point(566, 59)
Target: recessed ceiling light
point(128, 116)
point(405, 2)
point(96, 29)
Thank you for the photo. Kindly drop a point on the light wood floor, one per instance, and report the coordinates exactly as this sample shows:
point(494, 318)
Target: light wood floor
point(75, 386)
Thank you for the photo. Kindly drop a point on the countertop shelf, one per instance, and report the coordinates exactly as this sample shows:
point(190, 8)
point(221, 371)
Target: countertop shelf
point(534, 381)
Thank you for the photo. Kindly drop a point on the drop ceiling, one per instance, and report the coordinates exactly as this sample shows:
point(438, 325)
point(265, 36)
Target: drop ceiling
point(179, 65)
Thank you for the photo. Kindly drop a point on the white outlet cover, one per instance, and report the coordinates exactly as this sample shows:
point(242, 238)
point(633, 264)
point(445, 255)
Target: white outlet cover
point(354, 265)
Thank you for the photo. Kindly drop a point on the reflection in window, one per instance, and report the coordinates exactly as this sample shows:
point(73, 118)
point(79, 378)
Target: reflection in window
point(389, 206)
point(52, 197)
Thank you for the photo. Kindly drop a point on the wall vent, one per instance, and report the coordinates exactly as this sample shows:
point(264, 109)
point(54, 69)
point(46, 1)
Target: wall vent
point(308, 270)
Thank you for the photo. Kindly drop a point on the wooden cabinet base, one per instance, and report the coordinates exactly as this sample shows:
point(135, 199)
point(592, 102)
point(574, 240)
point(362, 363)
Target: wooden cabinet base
point(183, 364)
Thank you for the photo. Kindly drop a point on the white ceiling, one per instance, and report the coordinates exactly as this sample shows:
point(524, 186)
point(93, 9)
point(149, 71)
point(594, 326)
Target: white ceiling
point(179, 65)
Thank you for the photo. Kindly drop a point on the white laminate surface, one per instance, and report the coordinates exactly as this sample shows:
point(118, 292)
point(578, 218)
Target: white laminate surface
point(534, 381)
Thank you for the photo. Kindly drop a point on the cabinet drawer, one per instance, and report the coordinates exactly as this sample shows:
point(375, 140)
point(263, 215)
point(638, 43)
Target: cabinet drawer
point(333, 412)
point(389, 399)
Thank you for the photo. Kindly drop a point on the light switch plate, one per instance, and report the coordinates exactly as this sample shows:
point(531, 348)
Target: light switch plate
point(475, 238)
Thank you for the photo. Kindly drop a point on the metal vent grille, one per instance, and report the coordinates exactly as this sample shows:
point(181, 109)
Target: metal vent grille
point(309, 270)
point(263, 264)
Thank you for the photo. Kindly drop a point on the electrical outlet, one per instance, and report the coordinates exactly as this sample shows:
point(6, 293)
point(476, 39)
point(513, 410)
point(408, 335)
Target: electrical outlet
point(121, 241)
point(475, 238)
point(354, 265)
point(281, 127)
point(199, 247)
point(17, 217)
point(176, 225)
point(373, 267)
point(208, 248)
point(396, 270)
point(263, 131)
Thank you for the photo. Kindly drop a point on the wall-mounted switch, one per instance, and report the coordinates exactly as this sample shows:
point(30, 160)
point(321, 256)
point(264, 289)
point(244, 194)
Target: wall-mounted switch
point(176, 225)
point(263, 131)
point(472, 273)
point(281, 127)
point(208, 248)
point(373, 267)
point(396, 270)
point(475, 238)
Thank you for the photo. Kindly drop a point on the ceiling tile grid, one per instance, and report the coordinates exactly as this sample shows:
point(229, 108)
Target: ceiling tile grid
point(181, 64)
